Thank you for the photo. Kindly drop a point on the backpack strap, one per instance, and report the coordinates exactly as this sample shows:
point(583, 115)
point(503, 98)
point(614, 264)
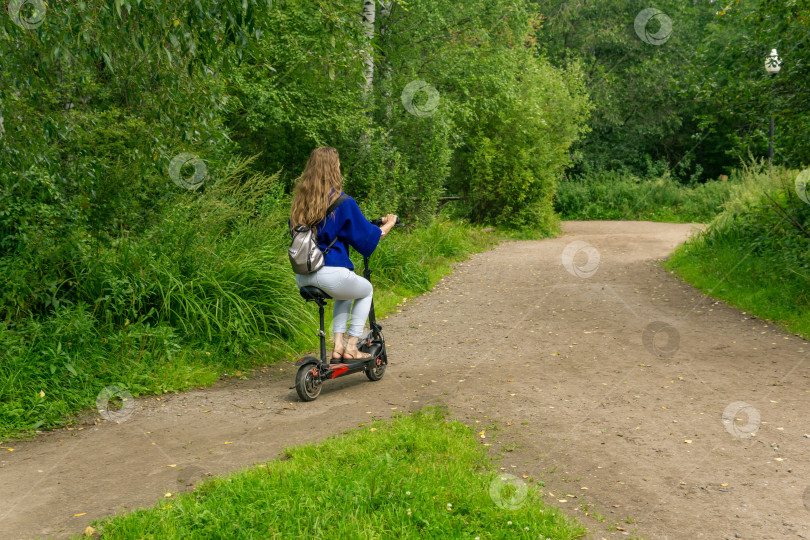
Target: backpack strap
point(332, 208)
point(332, 243)
point(334, 205)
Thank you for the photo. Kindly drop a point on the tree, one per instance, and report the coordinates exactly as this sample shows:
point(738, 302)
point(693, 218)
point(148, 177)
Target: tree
point(644, 107)
point(369, 16)
point(738, 94)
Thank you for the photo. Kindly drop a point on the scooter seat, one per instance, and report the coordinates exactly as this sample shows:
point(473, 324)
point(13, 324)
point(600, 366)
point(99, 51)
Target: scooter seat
point(313, 293)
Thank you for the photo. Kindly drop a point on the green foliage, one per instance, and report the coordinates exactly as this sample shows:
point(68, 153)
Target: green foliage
point(697, 102)
point(101, 98)
point(300, 86)
point(521, 143)
point(209, 278)
point(643, 108)
point(754, 254)
point(487, 84)
point(52, 369)
point(507, 116)
point(97, 101)
point(729, 77)
point(616, 195)
point(418, 476)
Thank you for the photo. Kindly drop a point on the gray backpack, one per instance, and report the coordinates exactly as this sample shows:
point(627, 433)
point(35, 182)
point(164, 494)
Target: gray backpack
point(305, 255)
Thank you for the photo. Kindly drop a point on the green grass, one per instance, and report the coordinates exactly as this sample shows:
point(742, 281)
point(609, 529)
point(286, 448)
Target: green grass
point(386, 480)
point(752, 257)
point(616, 196)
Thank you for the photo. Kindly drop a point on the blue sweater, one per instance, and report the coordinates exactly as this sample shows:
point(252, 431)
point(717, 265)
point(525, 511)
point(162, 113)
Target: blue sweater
point(352, 228)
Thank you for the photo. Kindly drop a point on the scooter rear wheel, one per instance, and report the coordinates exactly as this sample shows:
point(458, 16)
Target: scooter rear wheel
point(307, 383)
point(376, 369)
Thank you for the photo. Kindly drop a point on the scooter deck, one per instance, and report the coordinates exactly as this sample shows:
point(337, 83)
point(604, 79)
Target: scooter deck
point(337, 370)
point(345, 368)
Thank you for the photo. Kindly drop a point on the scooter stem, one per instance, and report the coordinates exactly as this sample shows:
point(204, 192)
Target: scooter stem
point(321, 333)
point(367, 274)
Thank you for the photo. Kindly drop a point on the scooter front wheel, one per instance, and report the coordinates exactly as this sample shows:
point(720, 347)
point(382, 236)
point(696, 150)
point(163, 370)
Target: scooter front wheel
point(308, 383)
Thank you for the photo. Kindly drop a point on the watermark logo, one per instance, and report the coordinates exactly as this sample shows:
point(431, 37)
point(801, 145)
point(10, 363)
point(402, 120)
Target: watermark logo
point(802, 181)
point(27, 14)
point(428, 108)
point(508, 491)
point(574, 265)
point(196, 179)
point(189, 475)
point(738, 412)
point(643, 22)
point(661, 339)
point(806, 498)
point(115, 404)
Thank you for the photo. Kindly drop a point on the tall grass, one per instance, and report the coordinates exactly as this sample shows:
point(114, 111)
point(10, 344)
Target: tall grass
point(206, 290)
point(420, 476)
point(619, 196)
point(756, 253)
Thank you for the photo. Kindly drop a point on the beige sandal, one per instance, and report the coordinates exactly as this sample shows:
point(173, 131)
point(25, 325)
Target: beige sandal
point(361, 356)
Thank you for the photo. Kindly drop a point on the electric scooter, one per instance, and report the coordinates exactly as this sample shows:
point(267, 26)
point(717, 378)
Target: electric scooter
point(313, 372)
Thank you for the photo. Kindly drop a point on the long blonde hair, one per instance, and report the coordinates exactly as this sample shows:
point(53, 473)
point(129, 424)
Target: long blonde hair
point(318, 186)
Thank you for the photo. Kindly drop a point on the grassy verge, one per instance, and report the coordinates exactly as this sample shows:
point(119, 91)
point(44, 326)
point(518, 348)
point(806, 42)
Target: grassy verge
point(752, 256)
point(419, 476)
point(207, 290)
point(614, 196)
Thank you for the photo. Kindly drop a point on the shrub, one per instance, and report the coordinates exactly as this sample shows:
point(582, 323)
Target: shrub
point(618, 195)
point(754, 254)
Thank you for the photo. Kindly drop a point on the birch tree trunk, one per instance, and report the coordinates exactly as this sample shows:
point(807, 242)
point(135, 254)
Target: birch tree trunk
point(386, 66)
point(369, 16)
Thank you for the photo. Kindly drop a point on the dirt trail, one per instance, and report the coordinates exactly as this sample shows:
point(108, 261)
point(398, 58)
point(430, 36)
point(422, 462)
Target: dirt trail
point(608, 414)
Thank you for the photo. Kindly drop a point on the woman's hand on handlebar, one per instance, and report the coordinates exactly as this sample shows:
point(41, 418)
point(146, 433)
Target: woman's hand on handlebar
point(388, 223)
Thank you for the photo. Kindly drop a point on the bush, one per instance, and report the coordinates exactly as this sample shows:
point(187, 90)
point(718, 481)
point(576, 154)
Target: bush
point(617, 195)
point(521, 127)
point(754, 254)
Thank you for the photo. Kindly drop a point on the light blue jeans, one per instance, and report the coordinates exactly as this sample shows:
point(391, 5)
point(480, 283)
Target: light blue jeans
point(344, 286)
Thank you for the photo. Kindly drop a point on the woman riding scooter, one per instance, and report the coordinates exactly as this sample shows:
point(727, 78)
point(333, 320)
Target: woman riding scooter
point(318, 187)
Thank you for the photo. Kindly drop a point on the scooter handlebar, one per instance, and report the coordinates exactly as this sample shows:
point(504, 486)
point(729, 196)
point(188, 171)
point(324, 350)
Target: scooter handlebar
point(378, 222)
